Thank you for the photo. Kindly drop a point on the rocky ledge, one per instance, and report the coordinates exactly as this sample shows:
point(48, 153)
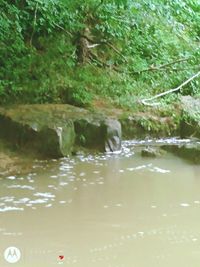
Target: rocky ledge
point(56, 130)
point(189, 150)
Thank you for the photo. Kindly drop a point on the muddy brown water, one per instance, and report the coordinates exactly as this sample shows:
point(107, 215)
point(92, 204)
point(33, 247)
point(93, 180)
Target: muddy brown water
point(112, 210)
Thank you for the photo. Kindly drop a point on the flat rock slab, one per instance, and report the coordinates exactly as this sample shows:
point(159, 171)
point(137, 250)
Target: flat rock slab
point(54, 130)
point(152, 152)
point(189, 151)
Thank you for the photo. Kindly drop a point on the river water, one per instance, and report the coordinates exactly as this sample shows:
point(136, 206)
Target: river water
point(106, 210)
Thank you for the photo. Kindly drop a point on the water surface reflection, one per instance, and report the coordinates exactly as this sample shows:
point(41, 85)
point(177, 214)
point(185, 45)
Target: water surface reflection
point(114, 210)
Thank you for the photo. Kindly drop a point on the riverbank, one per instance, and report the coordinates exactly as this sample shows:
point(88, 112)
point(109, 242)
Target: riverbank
point(53, 131)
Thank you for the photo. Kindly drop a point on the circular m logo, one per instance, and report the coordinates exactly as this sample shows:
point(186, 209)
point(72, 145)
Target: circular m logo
point(12, 254)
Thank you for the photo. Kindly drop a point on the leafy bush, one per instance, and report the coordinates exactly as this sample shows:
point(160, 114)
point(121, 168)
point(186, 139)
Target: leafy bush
point(39, 42)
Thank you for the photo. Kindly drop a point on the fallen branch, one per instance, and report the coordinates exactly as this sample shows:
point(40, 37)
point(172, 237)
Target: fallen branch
point(175, 69)
point(173, 62)
point(144, 101)
point(158, 68)
point(182, 69)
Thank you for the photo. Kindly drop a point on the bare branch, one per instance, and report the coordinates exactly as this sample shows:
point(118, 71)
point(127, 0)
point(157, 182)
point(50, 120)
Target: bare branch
point(157, 68)
point(144, 101)
point(173, 62)
point(175, 69)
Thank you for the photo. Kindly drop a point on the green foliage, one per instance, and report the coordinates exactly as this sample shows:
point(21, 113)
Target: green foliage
point(38, 43)
point(80, 97)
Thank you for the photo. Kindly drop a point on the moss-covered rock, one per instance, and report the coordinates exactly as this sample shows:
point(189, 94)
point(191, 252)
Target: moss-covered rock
point(152, 152)
point(189, 151)
point(54, 130)
point(190, 119)
point(143, 125)
point(36, 128)
point(98, 133)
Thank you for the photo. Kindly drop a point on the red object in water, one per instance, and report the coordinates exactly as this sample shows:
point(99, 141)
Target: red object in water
point(61, 257)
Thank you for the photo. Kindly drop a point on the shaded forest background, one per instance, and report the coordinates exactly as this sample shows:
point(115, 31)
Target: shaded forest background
point(78, 52)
